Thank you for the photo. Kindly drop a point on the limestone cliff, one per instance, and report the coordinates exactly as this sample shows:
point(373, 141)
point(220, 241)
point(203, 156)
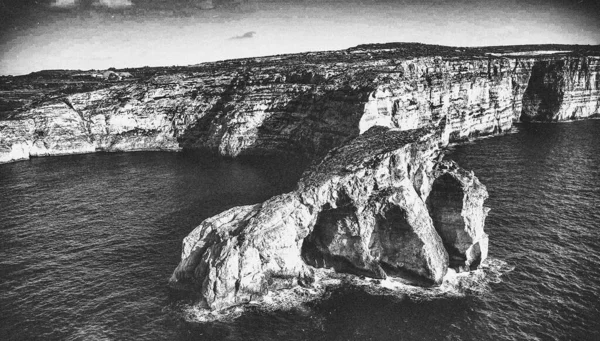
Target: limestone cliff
point(563, 89)
point(364, 210)
point(303, 103)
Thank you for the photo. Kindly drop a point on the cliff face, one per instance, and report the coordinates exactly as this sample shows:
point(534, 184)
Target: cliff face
point(475, 96)
point(363, 210)
point(564, 89)
point(304, 104)
point(123, 117)
point(484, 97)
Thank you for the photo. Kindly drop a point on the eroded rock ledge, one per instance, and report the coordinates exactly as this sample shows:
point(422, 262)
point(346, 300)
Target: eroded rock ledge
point(378, 206)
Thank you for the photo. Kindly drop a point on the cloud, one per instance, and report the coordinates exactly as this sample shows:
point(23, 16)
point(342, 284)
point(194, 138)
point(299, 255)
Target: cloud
point(246, 35)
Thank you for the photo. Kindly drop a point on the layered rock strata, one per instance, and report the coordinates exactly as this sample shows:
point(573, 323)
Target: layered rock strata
point(377, 206)
point(304, 103)
point(560, 90)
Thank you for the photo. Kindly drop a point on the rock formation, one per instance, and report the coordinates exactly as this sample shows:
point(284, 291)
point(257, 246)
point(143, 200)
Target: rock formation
point(377, 206)
point(560, 90)
point(455, 205)
point(303, 103)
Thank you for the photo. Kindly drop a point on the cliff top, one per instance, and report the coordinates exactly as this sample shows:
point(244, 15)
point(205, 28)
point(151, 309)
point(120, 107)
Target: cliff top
point(397, 50)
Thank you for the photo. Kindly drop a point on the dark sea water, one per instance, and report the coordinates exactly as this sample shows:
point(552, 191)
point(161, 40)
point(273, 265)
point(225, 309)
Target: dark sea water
point(88, 242)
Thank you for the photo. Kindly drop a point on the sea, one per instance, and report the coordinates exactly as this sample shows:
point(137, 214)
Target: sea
point(88, 243)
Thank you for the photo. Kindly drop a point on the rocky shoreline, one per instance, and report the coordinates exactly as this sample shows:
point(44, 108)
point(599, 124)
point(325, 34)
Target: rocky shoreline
point(380, 203)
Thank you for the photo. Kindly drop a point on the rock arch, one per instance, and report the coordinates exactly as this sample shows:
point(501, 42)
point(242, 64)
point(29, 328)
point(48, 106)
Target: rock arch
point(455, 205)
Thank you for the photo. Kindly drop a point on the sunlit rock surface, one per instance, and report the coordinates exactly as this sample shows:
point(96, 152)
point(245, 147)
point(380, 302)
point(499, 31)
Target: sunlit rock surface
point(304, 103)
point(426, 90)
point(362, 210)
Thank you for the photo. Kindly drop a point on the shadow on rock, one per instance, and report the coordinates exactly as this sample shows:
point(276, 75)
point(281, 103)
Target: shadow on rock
point(300, 112)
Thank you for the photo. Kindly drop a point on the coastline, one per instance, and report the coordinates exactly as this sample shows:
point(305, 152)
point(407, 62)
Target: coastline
point(303, 104)
point(439, 100)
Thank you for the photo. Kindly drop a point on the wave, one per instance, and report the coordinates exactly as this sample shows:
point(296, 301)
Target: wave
point(476, 282)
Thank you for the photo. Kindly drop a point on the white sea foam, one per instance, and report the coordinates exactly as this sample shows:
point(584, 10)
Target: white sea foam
point(454, 285)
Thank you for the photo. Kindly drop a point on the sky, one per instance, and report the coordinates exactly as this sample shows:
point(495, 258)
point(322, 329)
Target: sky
point(98, 34)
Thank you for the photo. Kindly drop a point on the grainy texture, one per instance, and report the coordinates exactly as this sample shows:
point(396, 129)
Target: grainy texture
point(377, 204)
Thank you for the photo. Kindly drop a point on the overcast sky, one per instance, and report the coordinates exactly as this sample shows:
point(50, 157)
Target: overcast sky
point(98, 34)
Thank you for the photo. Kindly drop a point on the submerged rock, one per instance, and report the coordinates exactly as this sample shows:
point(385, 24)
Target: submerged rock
point(362, 210)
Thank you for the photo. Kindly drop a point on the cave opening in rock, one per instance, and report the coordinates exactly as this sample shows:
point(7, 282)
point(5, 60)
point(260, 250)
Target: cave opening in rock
point(335, 242)
point(445, 203)
point(544, 93)
point(396, 246)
